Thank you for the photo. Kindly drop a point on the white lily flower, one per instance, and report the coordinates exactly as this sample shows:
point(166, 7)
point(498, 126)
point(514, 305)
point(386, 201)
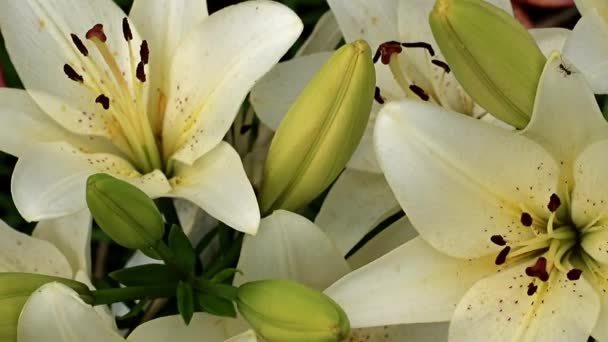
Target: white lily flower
point(512, 242)
point(146, 98)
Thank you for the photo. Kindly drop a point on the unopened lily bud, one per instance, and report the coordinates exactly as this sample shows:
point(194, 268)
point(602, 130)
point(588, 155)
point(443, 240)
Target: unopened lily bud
point(124, 212)
point(493, 57)
point(321, 130)
point(15, 289)
point(285, 311)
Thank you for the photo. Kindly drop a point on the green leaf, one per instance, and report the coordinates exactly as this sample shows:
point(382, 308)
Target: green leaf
point(182, 249)
point(135, 310)
point(185, 301)
point(215, 305)
point(225, 274)
point(225, 291)
point(151, 274)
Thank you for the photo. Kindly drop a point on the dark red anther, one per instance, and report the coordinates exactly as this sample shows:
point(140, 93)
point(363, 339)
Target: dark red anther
point(539, 269)
point(72, 74)
point(498, 240)
point(502, 256)
point(144, 52)
point(386, 50)
point(526, 219)
point(420, 92)
point(423, 45)
point(574, 274)
point(97, 32)
point(104, 101)
point(140, 73)
point(442, 65)
point(532, 289)
point(79, 45)
point(554, 203)
point(378, 97)
point(126, 29)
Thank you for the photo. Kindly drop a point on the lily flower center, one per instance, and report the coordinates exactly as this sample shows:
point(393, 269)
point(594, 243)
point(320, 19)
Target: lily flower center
point(121, 94)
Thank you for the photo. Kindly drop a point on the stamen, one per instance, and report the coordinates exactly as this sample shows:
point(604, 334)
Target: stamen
point(574, 274)
point(79, 45)
point(442, 65)
point(423, 45)
point(498, 240)
point(72, 74)
point(141, 73)
point(502, 256)
point(97, 32)
point(378, 97)
point(144, 52)
point(126, 30)
point(386, 50)
point(532, 289)
point(554, 203)
point(104, 101)
point(420, 92)
point(539, 269)
point(526, 219)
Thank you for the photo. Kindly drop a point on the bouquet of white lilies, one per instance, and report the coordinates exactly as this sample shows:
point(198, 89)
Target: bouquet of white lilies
point(414, 170)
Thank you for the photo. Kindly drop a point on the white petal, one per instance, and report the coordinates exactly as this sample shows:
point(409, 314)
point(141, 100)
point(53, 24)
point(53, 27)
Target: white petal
point(550, 39)
point(422, 332)
point(23, 124)
point(22, 253)
point(71, 235)
point(590, 194)
point(202, 327)
point(460, 180)
point(247, 336)
point(37, 35)
point(565, 106)
point(586, 7)
point(218, 184)
point(587, 48)
point(390, 238)
point(50, 180)
point(103, 311)
point(412, 284)
point(325, 36)
point(273, 94)
point(364, 157)
point(600, 284)
point(357, 202)
point(56, 313)
point(216, 66)
point(498, 308)
point(282, 249)
point(164, 24)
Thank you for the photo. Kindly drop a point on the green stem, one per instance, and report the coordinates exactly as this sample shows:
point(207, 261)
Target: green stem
point(225, 260)
point(109, 296)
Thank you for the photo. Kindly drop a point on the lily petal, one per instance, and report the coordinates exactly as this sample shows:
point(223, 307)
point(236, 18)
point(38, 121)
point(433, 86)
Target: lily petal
point(54, 312)
point(247, 336)
point(72, 236)
point(364, 157)
point(550, 39)
point(231, 49)
point(282, 249)
point(407, 285)
point(273, 94)
point(600, 283)
point(103, 311)
point(164, 24)
point(587, 47)
point(357, 202)
point(390, 238)
point(589, 197)
point(565, 106)
point(325, 36)
point(173, 328)
point(498, 308)
point(22, 253)
point(49, 181)
point(218, 184)
point(454, 192)
point(422, 332)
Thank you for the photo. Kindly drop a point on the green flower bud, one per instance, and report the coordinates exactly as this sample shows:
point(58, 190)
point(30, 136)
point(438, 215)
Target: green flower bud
point(285, 311)
point(16, 288)
point(124, 212)
point(493, 57)
point(321, 130)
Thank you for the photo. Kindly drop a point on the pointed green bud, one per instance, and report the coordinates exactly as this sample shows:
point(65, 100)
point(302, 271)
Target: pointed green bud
point(16, 288)
point(493, 57)
point(285, 311)
point(320, 132)
point(124, 212)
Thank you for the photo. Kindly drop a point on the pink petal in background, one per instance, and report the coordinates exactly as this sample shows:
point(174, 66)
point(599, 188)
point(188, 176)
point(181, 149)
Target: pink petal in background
point(2, 84)
point(521, 7)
